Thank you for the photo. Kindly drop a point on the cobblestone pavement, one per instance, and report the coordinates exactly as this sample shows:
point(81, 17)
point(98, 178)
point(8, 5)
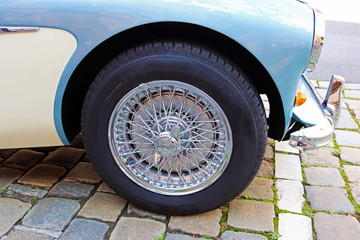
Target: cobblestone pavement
point(54, 193)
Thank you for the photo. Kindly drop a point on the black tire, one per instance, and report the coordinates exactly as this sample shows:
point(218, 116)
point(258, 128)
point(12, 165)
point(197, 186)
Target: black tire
point(199, 67)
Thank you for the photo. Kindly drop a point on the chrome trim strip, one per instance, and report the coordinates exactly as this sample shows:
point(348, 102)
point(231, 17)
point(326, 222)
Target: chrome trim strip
point(322, 133)
point(18, 29)
point(318, 41)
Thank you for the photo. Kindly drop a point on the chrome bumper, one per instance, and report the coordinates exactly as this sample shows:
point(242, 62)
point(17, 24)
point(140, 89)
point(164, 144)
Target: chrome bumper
point(315, 135)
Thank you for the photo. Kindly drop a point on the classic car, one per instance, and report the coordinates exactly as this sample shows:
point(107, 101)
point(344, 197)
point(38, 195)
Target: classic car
point(166, 93)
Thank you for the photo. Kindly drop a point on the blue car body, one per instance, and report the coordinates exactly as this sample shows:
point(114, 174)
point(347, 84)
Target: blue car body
point(279, 34)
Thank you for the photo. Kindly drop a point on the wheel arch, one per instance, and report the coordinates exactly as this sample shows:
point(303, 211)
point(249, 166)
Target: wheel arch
point(89, 67)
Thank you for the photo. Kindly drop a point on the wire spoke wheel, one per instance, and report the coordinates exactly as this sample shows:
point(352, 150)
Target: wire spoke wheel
point(170, 137)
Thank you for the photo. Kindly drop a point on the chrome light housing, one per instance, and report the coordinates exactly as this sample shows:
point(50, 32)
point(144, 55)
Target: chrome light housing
point(318, 40)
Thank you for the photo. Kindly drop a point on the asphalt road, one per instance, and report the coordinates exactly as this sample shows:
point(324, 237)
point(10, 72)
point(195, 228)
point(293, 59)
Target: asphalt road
point(341, 52)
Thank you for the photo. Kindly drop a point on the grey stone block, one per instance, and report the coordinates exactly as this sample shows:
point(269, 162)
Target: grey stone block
point(353, 86)
point(171, 236)
point(346, 121)
point(357, 114)
point(42, 175)
point(355, 191)
point(251, 215)
point(103, 206)
point(290, 194)
point(11, 210)
point(51, 214)
point(71, 190)
point(105, 188)
point(229, 235)
point(329, 199)
point(24, 159)
point(322, 156)
point(64, 157)
point(353, 104)
point(350, 155)
point(294, 227)
point(22, 234)
point(8, 175)
point(352, 173)
point(336, 227)
point(84, 229)
point(285, 147)
point(52, 233)
point(347, 138)
point(324, 177)
point(260, 188)
point(128, 228)
point(32, 192)
point(352, 93)
point(132, 209)
point(266, 169)
point(203, 224)
point(288, 167)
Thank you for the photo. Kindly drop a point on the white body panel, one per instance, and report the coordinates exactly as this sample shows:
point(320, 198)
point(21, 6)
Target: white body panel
point(31, 65)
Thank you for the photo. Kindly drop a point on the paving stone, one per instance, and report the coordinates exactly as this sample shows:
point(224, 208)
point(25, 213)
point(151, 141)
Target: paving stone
point(294, 227)
point(22, 234)
point(321, 156)
point(251, 215)
point(352, 173)
point(287, 167)
point(314, 83)
point(51, 214)
point(86, 158)
point(64, 157)
point(5, 153)
point(347, 138)
point(171, 236)
point(353, 86)
point(105, 188)
point(77, 142)
point(355, 191)
point(352, 93)
point(290, 194)
point(84, 229)
point(52, 233)
point(269, 153)
point(132, 209)
point(71, 190)
point(24, 159)
point(127, 228)
point(357, 114)
point(229, 235)
point(324, 84)
point(350, 155)
point(23, 190)
point(202, 224)
point(104, 206)
point(346, 121)
point(11, 211)
point(322, 92)
point(7, 176)
point(336, 227)
point(284, 146)
point(83, 172)
point(329, 199)
point(266, 169)
point(353, 104)
point(43, 175)
point(260, 188)
point(324, 177)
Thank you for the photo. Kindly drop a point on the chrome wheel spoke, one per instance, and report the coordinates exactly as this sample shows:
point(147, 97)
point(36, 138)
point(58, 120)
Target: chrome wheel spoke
point(170, 137)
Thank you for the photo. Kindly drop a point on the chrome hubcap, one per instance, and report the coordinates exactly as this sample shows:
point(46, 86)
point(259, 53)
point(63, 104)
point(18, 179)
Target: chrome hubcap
point(170, 137)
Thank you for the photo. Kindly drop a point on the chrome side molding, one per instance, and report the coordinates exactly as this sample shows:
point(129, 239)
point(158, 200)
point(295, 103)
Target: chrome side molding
point(18, 29)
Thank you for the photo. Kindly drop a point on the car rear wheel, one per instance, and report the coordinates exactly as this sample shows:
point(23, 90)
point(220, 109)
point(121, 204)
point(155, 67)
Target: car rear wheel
point(174, 127)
